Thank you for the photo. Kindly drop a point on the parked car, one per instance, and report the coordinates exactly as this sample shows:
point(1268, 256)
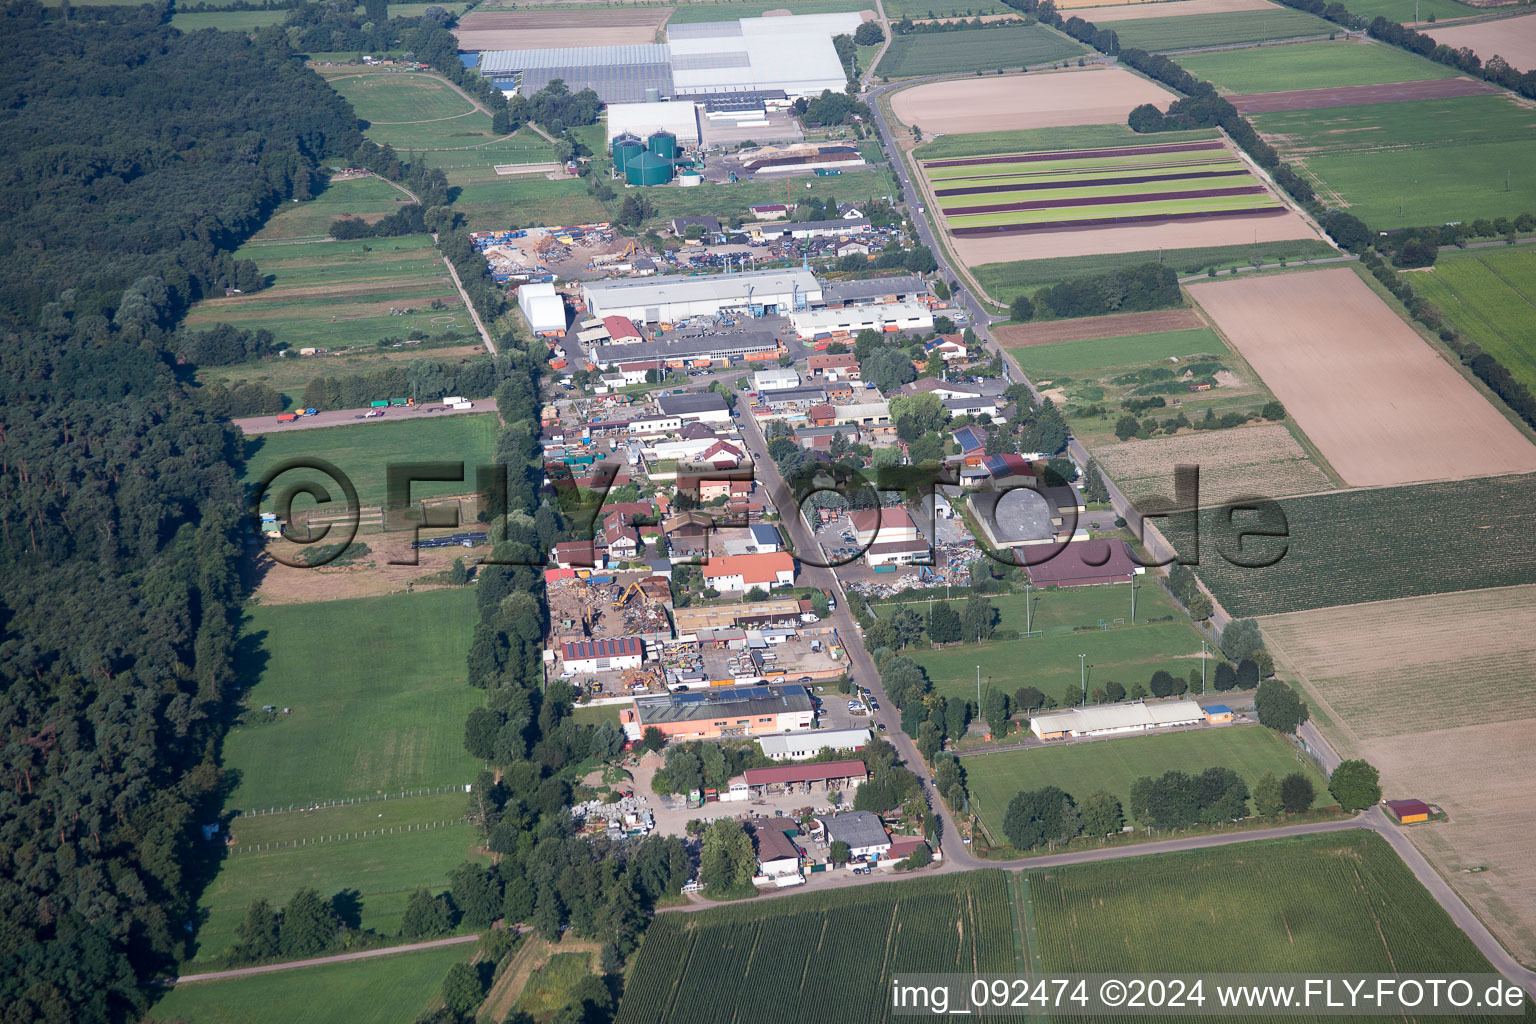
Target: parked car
point(690, 887)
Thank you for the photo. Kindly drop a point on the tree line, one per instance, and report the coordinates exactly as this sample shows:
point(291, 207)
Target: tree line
point(1135, 289)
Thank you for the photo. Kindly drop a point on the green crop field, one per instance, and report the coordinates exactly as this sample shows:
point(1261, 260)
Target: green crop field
point(365, 451)
point(835, 948)
point(1126, 654)
point(527, 201)
point(1164, 34)
point(368, 198)
point(1490, 295)
point(1372, 545)
point(692, 11)
point(335, 294)
point(1151, 207)
point(551, 986)
point(1005, 281)
point(1422, 162)
point(1406, 10)
point(1073, 357)
point(1335, 902)
point(1040, 140)
point(395, 989)
point(377, 697)
point(976, 50)
point(898, 9)
point(1310, 66)
point(1112, 765)
point(226, 21)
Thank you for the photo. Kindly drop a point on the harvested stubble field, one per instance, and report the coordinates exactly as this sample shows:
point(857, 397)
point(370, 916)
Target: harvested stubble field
point(1381, 405)
point(1168, 9)
point(1355, 95)
point(540, 29)
point(1336, 902)
point(982, 49)
point(832, 949)
point(1329, 65)
point(1240, 462)
point(1425, 162)
point(1490, 294)
point(1514, 39)
point(1172, 33)
point(1118, 325)
point(1365, 663)
point(1037, 100)
point(1374, 545)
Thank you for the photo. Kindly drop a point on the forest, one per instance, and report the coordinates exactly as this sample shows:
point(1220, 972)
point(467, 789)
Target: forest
point(138, 160)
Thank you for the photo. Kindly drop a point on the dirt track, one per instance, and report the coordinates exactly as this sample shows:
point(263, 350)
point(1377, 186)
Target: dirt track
point(1356, 95)
point(1117, 326)
point(1035, 100)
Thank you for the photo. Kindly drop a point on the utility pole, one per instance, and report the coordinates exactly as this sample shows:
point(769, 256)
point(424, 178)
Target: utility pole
point(1028, 627)
point(1082, 661)
point(1202, 668)
point(1133, 598)
point(978, 691)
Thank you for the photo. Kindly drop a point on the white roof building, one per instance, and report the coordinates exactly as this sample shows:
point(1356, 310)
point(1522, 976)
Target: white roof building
point(680, 117)
point(1106, 719)
point(776, 379)
point(671, 298)
point(544, 310)
point(902, 316)
point(793, 53)
point(799, 746)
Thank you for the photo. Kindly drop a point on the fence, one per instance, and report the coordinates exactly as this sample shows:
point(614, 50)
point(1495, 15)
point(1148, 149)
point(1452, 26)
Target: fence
point(424, 826)
point(348, 801)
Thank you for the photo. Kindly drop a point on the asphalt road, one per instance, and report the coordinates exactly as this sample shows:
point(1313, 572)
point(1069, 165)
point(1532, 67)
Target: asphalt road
point(348, 417)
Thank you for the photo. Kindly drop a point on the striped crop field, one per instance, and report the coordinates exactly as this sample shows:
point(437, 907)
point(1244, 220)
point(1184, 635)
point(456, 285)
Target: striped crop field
point(988, 194)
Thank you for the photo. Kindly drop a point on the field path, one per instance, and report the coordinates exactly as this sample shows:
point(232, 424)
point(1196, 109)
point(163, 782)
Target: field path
point(347, 417)
point(366, 954)
point(474, 314)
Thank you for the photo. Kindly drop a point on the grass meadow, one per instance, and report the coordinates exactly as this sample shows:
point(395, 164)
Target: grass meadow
point(377, 692)
point(1112, 765)
point(692, 11)
point(1075, 357)
point(1126, 654)
point(898, 9)
point(367, 198)
point(1310, 66)
point(1164, 34)
point(395, 990)
point(1490, 295)
point(1422, 162)
point(334, 294)
point(226, 21)
point(1007, 280)
point(981, 49)
point(527, 201)
point(1406, 10)
point(551, 986)
point(1333, 902)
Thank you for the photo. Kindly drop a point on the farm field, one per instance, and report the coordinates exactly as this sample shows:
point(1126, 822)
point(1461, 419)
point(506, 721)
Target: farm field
point(1112, 765)
point(1125, 654)
point(226, 21)
point(394, 988)
point(1006, 280)
point(332, 294)
point(1040, 140)
point(983, 49)
point(1139, 11)
point(535, 29)
point(1359, 662)
point(1236, 463)
point(369, 198)
point(1310, 66)
point(377, 692)
point(1049, 333)
point(291, 375)
point(1174, 33)
point(1044, 99)
point(365, 451)
point(691, 11)
point(1332, 902)
point(1514, 39)
point(1490, 295)
point(1406, 10)
point(719, 965)
point(1094, 355)
point(1424, 162)
point(1358, 380)
point(1205, 232)
point(468, 166)
point(915, 9)
point(1376, 545)
point(980, 195)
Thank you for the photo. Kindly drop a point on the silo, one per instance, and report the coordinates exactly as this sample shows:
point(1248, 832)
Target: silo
point(652, 94)
point(648, 169)
point(625, 148)
point(663, 144)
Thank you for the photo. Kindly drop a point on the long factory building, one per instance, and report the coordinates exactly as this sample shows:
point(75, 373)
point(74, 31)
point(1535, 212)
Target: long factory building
point(669, 299)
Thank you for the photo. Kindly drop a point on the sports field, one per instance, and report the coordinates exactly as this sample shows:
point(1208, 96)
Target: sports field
point(1490, 295)
point(376, 694)
point(1167, 34)
point(1423, 162)
point(983, 49)
point(396, 989)
point(1338, 902)
point(1112, 765)
point(365, 451)
point(721, 964)
point(331, 294)
point(1004, 281)
point(367, 199)
point(1359, 380)
point(1162, 638)
point(1043, 99)
point(1310, 66)
point(1374, 545)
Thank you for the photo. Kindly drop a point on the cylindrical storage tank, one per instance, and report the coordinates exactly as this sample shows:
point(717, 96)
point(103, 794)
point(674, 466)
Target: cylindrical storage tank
point(648, 169)
point(686, 180)
point(625, 148)
point(652, 94)
point(663, 144)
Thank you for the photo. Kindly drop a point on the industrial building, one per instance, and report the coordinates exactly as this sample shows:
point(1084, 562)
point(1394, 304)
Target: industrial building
point(777, 856)
point(669, 299)
point(1111, 719)
point(810, 228)
point(704, 407)
point(680, 117)
point(618, 74)
point(844, 776)
point(1406, 812)
point(883, 317)
point(799, 746)
point(723, 711)
point(776, 379)
point(864, 833)
point(689, 350)
point(876, 289)
point(542, 308)
point(602, 655)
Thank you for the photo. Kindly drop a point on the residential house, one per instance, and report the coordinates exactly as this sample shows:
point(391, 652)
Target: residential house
point(736, 573)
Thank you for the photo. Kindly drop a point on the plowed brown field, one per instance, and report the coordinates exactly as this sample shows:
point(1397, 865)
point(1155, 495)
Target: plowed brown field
point(1008, 102)
point(1383, 406)
point(1186, 234)
point(1119, 325)
point(1514, 39)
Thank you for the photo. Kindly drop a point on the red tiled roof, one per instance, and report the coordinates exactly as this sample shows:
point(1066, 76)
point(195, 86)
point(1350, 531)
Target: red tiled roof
point(827, 770)
point(763, 567)
point(1405, 808)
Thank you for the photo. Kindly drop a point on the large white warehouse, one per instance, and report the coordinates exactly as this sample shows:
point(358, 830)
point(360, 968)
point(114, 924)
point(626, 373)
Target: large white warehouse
point(790, 53)
point(543, 308)
point(668, 299)
point(897, 316)
point(1108, 719)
